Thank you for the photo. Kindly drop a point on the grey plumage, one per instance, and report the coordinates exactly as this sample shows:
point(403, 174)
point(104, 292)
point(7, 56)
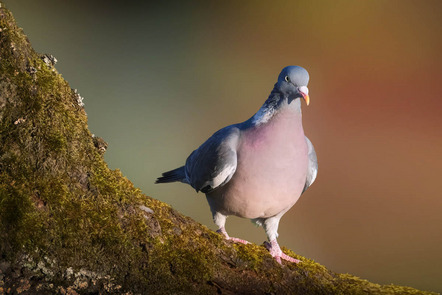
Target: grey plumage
point(312, 165)
point(177, 174)
point(259, 168)
point(220, 151)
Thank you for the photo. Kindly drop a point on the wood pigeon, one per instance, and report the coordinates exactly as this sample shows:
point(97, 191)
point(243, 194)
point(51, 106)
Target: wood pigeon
point(259, 168)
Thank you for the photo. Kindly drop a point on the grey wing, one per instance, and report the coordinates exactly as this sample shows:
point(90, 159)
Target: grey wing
point(312, 165)
point(214, 162)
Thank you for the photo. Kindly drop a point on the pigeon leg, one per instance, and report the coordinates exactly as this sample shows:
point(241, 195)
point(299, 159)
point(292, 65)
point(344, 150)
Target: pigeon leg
point(220, 221)
point(277, 253)
point(271, 227)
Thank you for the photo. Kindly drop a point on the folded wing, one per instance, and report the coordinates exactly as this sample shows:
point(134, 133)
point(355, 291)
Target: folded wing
point(312, 165)
point(214, 162)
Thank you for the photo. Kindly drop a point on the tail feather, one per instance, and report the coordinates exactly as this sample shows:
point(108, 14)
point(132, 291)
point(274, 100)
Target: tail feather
point(172, 176)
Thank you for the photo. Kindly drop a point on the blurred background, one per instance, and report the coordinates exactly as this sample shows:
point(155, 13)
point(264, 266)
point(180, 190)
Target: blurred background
point(159, 78)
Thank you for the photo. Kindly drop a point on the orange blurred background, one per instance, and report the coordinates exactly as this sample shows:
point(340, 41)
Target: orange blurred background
point(158, 79)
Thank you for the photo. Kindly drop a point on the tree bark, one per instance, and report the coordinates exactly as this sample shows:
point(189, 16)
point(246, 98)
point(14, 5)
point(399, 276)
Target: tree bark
point(70, 225)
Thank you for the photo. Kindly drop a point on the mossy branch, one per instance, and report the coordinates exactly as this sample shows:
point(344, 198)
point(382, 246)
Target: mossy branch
point(69, 224)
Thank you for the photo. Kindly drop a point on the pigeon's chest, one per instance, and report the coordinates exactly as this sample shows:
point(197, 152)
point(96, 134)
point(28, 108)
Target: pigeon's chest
point(271, 169)
point(282, 139)
point(274, 151)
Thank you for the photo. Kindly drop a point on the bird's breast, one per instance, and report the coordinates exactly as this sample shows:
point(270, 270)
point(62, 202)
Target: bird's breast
point(271, 170)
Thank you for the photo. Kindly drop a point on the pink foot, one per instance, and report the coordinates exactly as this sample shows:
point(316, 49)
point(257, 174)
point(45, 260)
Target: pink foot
point(277, 253)
point(222, 231)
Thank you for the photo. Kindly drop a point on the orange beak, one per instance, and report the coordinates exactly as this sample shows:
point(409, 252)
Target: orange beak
point(304, 92)
point(306, 98)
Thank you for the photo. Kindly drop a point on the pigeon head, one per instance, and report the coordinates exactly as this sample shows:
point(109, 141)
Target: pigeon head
point(291, 85)
point(292, 82)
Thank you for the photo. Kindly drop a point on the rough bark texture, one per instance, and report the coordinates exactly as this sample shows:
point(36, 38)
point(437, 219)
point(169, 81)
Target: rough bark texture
point(69, 224)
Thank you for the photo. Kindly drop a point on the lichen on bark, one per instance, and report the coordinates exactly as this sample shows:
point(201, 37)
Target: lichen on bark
point(69, 224)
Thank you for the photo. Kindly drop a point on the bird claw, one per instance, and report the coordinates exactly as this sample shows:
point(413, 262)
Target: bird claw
point(239, 240)
point(227, 237)
point(277, 253)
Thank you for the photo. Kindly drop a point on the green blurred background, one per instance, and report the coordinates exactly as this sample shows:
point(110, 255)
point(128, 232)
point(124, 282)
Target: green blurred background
point(160, 78)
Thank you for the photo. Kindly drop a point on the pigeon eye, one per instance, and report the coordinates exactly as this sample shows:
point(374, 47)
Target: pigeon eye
point(287, 79)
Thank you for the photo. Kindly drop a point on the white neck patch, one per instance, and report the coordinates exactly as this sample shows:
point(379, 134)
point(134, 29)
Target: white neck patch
point(263, 115)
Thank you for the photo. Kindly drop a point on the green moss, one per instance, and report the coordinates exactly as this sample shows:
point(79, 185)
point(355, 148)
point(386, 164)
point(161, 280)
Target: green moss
point(252, 255)
point(56, 141)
